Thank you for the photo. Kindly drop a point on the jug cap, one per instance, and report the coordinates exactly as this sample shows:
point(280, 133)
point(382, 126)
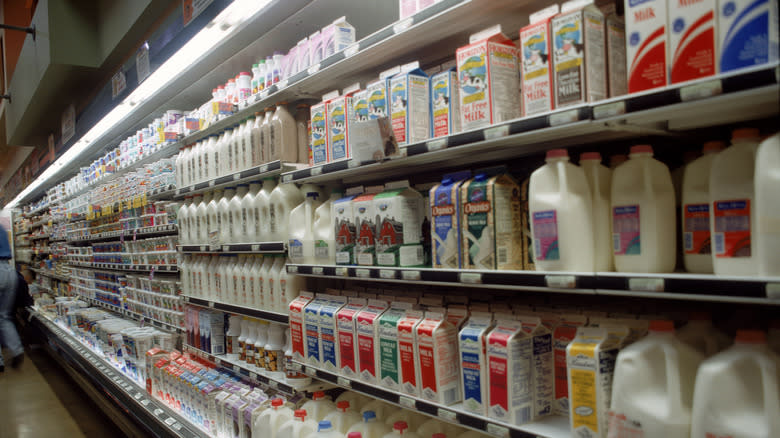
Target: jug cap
point(369, 415)
point(343, 405)
point(641, 149)
point(324, 425)
point(300, 413)
point(661, 325)
point(556, 153)
point(750, 337)
point(745, 133)
point(400, 425)
point(277, 402)
point(590, 156)
point(355, 434)
point(317, 395)
point(713, 146)
point(438, 435)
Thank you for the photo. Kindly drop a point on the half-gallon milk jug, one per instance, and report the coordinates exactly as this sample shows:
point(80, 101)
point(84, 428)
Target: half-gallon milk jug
point(271, 420)
point(324, 230)
point(301, 225)
point(343, 418)
point(600, 183)
point(768, 206)
point(371, 427)
point(319, 406)
point(702, 336)
point(561, 215)
point(401, 429)
point(643, 224)
point(298, 426)
point(653, 386)
point(737, 391)
point(283, 199)
point(697, 245)
point(732, 216)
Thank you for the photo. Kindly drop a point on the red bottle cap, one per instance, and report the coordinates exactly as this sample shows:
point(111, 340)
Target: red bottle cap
point(557, 153)
point(750, 337)
point(661, 325)
point(590, 156)
point(713, 146)
point(400, 425)
point(642, 149)
point(745, 133)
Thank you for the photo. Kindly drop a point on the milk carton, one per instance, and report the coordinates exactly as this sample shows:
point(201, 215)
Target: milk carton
point(509, 352)
point(437, 353)
point(407, 352)
point(445, 103)
point(328, 331)
point(445, 221)
point(337, 36)
point(406, 8)
point(345, 223)
point(488, 79)
point(563, 334)
point(297, 332)
point(616, 56)
point(368, 348)
point(347, 331)
point(646, 44)
point(365, 216)
point(340, 116)
point(360, 107)
point(536, 62)
point(590, 358)
point(541, 366)
point(457, 314)
point(747, 33)
point(692, 40)
point(319, 133)
point(378, 96)
point(311, 323)
point(490, 223)
point(579, 57)
point(398, 239)
point(410, 105)
point(472, 341)
point(389, 357)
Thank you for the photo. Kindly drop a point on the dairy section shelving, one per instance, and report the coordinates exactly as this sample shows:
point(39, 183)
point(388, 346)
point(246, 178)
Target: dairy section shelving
point(430, 36)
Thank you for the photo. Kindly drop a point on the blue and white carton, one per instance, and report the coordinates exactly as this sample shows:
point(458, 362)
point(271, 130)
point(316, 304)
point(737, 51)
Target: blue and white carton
point(748, 33)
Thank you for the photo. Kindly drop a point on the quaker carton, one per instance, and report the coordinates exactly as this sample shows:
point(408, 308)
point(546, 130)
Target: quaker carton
point(472, 342)
point(409, 366)
point(368, 344)
point(445, 103)
point(747, 33)
point(311, 323)
point(646, 44)
point(337, 36)
point(509, 354)
point(692, 40)
point(340, 119)
point(616, 56)
point(347, 336)
point(398, 239)
point(328, 332)
point(343, 214)
point(445, 221)
point(366, 217)
point(297, 327)
point(541, 366)
point(491, 222)
point(410, 100)
point(536, 63)
point(437, 352)
point(389, 357)
point(488, 79)
point(579, 57)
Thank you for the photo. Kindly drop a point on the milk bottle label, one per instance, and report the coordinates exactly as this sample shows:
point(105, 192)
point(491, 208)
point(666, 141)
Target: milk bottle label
point(692, 39)
point(320, 249)
point(747, 32)
point(626, 230)
point(295, 247)
point(732, 228)
point(546, 235)
point(319, 133)
point(696, 229)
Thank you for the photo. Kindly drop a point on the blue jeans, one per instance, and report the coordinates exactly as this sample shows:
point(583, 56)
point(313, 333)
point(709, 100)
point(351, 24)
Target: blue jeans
point(9, 337)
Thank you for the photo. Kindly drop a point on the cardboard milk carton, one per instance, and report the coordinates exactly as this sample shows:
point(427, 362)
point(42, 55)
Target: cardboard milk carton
point(410, 105)
point(368, 345)
point(319, 132)
point(490, 222)
point(536, 62)
point(399, 212)
point(297, 331)
point(541, 366)
point(311, 322)
point(344, 221)
point(347, 331)
point(389, 357)
point(488, 79)
point(692, 40)
point(445, 103)
point(563, 334)
point(340, 119)
point(509, 354)
point(378, 96)
point(646, 44)
point(328, 331)
point(445, 221)
point(337, 36)
point(616, 56)
point(747, 33)
point(437, 353)
point(366, 217)
point(407, 352)
point(579, 57)
point(473, 361)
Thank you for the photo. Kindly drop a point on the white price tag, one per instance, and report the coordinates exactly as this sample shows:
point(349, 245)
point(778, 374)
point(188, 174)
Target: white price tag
point(281, 84)
point(496, 132)
point(287, 178)
point(158, 411)
point(646, 284)
point(170, 421)
point(313, 69)
point(402, 25)
point(435, 145)
point(253, 375)
point(236, 369)
point(292, 269)
point(211, 183)
point(447, 415)
point(145, 402)
point(609, 110)
point(497, 430)
point(351, 50)
point(263, 169)
point(236, 176)
point(342, 272)
point(138, 396)
point(387, 274)
point(255, 248)
point(343, 381)
point(773, 291)
point(561, 281)
point(225, 248)
point(309, 371)
point(273, 384)
point(701, 90)
point(362, 273)
point(218, 361)
point(411, 275)
point(563, 117)
point(315, 171)
point(296, 366)
point(204, 248)
point(211, 304)
point(407, 402)
point(317, 270)
point(176, 426)
point(470, 277)
point(351, 164)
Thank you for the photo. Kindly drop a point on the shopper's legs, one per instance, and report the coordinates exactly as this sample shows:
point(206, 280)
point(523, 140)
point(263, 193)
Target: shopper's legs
point(8, 334)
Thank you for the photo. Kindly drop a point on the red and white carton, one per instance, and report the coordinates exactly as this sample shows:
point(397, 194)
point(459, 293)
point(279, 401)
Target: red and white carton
point(509, 370)
point(368, 340)
point(536, 62)
point(409, 369)
point(646, 44)
point(297, 332)
point(563, 334)
point(347, 336)
point(437, 353)
point(692, 39)
point(488, 78)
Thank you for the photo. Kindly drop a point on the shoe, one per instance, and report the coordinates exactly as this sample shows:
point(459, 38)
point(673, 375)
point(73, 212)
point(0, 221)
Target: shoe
point(16, 362)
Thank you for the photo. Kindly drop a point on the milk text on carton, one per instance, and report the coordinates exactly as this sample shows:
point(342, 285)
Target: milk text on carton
point(445, 103)
point(347, 332)
point(389, 375)
point(407, 352)
point(328, 342)
point(536, 63)
point(473, 360)
point(509, 353)
point(747, 33)
point(368, 349)
point(646, 48)
point(437, 352)
point(297, 333)
point(692, 34)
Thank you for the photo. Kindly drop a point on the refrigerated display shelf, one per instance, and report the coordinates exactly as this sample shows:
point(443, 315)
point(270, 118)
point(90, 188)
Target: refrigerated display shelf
point(157, 418)
point(253, 174)
point(50, 274)
point(133, 315)
point(238, 310)
point(161, 194)
point(156, 230)
point(698, 287)
point(39, 237)
point(237, 248)
point(121, 267)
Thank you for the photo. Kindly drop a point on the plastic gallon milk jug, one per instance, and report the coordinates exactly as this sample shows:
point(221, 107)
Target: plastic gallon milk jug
point(643, 223)
point(412, 419)
point(237, 222)
point(262, 210)
point(271, 420)
point(343, 418)
point(284, 135)
point(356, 401)
point(737, 391)
point(301, 242)
point(702, 336)
point(298, 426)
point(600, 183)
point(283, 199)
point(380, 409)
point(697, 245)
point(319, 406)
point(324, 231)
point(652, 389)
point(371, 427)
point(732, 216)
point(248, 227)
point(401, 429)
point(768, 206)
point(326, 430)
point(560, 210)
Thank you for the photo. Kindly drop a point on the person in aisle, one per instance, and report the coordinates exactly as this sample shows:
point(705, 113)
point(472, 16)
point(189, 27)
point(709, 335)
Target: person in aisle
point(9, 337)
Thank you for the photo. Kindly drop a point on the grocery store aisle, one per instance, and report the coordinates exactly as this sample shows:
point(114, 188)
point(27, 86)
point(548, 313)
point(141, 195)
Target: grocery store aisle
point(33, 406)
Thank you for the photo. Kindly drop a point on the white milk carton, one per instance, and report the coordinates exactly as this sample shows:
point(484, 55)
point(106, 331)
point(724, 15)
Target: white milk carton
point(341, 117)
point(579, 57)
point(563, 334)
point(343, 215)
point(692, 40)
point(360, 107)
point(541, 366)
point(437, 353)
point(410, 105)
point(311, 323)
point(488, 79)
point(365, 215)
point(297, 328)
point(473, 360)
point(445, 103)
point(445, 221)
point(616, 56)
point(457, 314)
point(347, 320)
point(646, 41)
point(536, 62)
point(337, 36)
point(389, 357)
point(398, 239)
point(591, 360)
point(328, 332)
point(509, 352)
point(319, 131)
point(378, 98)
point(407, 352)
point(368, 345)
point(747, 33)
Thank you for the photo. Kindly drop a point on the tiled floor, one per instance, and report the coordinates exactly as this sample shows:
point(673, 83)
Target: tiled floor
point(34, 406)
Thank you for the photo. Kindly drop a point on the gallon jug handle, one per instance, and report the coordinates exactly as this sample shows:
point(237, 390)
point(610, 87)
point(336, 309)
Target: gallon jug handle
point(673, 379)
point(771, 400)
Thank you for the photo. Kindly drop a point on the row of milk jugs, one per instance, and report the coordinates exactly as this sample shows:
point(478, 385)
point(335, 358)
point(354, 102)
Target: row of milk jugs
point(590, 218)
point(247, 280)
point(262, 138)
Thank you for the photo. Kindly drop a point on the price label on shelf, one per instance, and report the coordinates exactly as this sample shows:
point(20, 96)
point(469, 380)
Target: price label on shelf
point(225, 248)
point(313, 69)
point(138, 395)
point(170, 421)
point(282, 84)
point(362, 273)
point(497, 430)
point(563, 117)
point(255, 248)
point(609, 110)
point(447, 415)
point(495, 132)
point(212, 183)
point(263, 169)
point(470, 277)
point(407, 402)
point(315, 171)
point(342, 271)
point(318, 270)
point(287, 178)
point(773, 291)
point(296, 366)
point(387, 274)
point(211, 304)
point(351, 50)
point(158, 412)
point(176, 426)
point(145, 402)
point(273, 384)
point(236, 369)
point(309, 371)
point(292, 269)
point(351, 164)
point(646, 284)
point(561, 281)
point(403, 25)
point(253, 375)
point(701, 90)
point(343, 381)
point(236, 176)
point(436, 145)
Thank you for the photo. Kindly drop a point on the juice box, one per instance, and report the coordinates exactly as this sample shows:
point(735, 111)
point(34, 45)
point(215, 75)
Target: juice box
point(365, 226)
point(616, 56)
point(340, 119)
point(297, 333)
point(579, 57)
point(692, 40)
point(398, 239)
point(541, 366)
point(445, 103)
point(473, 359)
point(368, 345)
point(344, 221)
point(347, 331)
point(488, 79)
point(646, 44)
point(311, 322)
point(445, 221)
point(389, 357)
point(509, 354)
point(410, 105)
point(437, 352)
point(535, 62)
point(747, 33)
point(328, 332)
point(407, 348)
